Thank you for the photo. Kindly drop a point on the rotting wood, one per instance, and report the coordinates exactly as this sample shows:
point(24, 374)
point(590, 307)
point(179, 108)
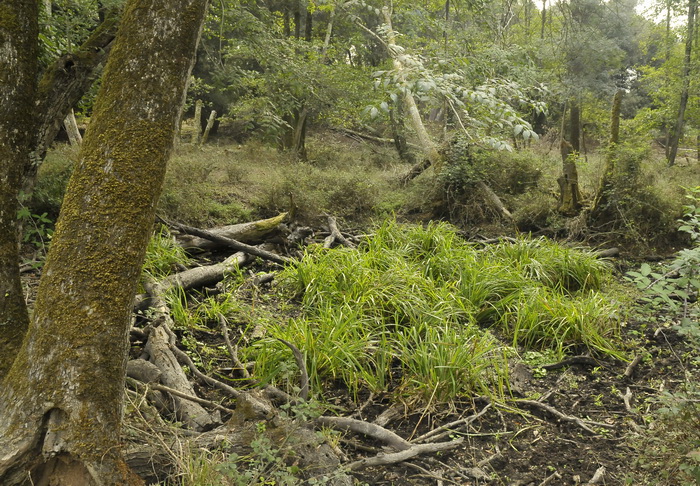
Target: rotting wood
point(251, 232)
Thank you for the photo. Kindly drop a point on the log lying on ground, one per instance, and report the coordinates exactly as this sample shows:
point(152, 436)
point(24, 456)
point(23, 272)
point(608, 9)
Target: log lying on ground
point(225, 242)
point(252, 232)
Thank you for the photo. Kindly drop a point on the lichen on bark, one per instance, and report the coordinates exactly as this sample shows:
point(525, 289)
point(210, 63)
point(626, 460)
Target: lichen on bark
point(68, 378)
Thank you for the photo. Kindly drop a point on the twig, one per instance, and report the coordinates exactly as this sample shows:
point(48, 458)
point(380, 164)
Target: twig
point(550, 478)
point(449, 428)
point(172, 391)
point(396, 457)
point(566, 418)
point(233, 350)
point(366, 428)
point(630, 367)
point(301, 363)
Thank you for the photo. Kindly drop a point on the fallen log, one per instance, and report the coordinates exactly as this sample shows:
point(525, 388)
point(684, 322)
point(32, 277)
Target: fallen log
point(224, 242)
point(252, 232)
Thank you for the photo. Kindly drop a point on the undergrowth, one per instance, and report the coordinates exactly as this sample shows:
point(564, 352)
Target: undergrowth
point(418, 311)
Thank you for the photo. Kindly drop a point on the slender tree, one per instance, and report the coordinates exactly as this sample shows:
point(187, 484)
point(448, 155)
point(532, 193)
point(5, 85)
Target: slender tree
point(61, 400)
point(680, 121)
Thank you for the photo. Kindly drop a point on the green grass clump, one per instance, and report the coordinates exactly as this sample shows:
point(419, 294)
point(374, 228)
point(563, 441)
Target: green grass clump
point(164, 255)
point(414, 310)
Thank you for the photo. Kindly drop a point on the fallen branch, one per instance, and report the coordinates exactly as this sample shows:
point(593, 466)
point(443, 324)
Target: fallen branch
point(172, 391)
point(251, 232)
point(366, 428)
point(396, 457)
point(159, 353)
point(206, 275)
point(564, 417)
point(228, 242)
point(550, 478)
point(232, 350)
point(335, 235)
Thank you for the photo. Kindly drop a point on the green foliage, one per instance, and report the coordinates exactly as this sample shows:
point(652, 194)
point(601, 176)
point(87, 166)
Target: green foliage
point(671, 451)
point(677, 288)
point(411, 311)
point(37, 229)
point(52, 180)
point(164, 255)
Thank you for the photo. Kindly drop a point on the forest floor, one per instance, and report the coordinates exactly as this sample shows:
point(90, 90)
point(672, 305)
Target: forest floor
point(584, 422)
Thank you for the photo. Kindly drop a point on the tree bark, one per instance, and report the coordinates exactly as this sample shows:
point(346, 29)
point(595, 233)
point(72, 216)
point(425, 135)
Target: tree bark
point(18, 53)
point(678, 129)
point(61, 402)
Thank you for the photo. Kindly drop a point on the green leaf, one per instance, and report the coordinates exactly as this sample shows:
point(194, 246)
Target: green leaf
point(645, 269)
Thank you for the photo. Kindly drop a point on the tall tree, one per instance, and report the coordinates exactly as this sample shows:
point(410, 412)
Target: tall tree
point(680, 121)
point(61, 400)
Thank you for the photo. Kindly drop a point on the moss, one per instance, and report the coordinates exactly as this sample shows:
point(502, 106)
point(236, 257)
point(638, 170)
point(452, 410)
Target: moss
point(74, 357)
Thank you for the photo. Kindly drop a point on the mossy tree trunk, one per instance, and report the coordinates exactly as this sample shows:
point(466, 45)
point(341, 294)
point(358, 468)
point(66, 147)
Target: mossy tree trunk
point(18, 51)
point(61, 401)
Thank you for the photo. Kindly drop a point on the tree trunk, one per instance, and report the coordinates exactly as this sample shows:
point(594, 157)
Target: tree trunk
point(430, 152)
point(606, 182)
point(72, 129)
point(544, 18)
point(210, 124)
point(197, 135)
point(569, 192)
point(678, 129)
point(575, 126)
point(61, 402)
point(18, 53)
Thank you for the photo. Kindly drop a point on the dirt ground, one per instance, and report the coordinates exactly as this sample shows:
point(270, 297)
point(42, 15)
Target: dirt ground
point(524, 445)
